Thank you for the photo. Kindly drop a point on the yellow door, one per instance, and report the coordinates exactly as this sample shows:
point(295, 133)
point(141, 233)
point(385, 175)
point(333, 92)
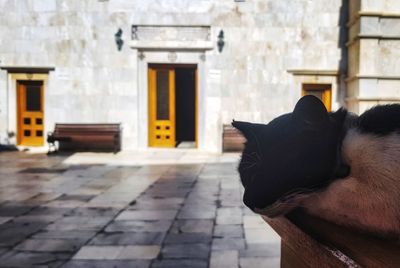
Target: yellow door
point(161, 107)
point(30, 113)
point(321, 91)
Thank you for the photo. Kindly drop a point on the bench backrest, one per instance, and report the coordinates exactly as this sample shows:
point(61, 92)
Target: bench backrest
point(232, 139)
point(86, 128)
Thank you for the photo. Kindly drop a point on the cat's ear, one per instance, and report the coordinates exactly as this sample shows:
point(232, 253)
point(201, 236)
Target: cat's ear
point(311, 110)
point(244, 128)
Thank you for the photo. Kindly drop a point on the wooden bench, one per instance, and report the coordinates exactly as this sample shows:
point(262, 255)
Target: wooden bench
point(232, 139)
point(86, 137)
point(308, 241)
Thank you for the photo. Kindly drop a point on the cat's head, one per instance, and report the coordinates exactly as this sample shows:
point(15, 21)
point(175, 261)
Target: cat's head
point(290, 157)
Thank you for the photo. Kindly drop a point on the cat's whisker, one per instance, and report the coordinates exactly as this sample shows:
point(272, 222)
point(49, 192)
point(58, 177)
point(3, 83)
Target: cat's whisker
point(256, 155)
point(246, 162)
point(250, 166)
point(250, 156)
point(258, 145)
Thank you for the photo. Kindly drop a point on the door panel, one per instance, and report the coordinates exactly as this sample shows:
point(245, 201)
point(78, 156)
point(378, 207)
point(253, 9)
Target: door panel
point(161, 107)
point(30, 113)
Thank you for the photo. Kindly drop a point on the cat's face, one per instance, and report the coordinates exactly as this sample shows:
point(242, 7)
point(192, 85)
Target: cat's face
point(288, 158)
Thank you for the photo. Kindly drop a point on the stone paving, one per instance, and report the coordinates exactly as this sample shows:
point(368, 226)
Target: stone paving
point(74, 211)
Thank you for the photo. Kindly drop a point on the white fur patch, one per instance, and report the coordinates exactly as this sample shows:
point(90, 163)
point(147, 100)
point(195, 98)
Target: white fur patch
point(369, 198)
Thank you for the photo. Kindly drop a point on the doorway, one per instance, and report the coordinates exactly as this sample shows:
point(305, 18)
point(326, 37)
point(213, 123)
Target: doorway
point(30, 113)
point(172, 105)
point(321, 91)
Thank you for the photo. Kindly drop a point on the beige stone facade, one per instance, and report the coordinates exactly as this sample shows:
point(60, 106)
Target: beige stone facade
point(374, 50)
point(271, 50)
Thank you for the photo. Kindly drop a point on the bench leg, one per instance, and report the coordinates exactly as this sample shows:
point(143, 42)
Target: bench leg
point(52, 148)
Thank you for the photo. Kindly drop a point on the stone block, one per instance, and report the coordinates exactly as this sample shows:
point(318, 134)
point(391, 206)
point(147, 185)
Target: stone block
point(224, 259)
point(273, 262)
point(188, 238)
point(228, 231)
point(186, 251)
point(98, 253)
point(139, 252)
point(181, 263)
point(261, 235)
point(44, 6)
point(261, 250)
point(49, 245)
point(229, 216)
point(147, 215)
point(192, 226)
point(139, 226)
point(128, 238)
point(228, 244)
point(107, 264)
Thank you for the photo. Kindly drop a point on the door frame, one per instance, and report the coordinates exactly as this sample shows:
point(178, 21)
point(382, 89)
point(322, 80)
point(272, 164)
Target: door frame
point(170, 123)
point(20, 103)
point(161, 57)
point(326, 90)
point(173, 66)
point(12, 105)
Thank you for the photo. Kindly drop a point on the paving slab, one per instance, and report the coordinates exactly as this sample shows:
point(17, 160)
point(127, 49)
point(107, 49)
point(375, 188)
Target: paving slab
point(98, 253)
point(5, 219)
point(273, 262)
point(65, 235)
point(107, 264)
point(188, 238)
point(261, 235)
point(184, 263)
point(261, 250)
point(129, 238)
point(224, 259)
point(139, 226)
point(10, 210)
point(192, 226)
point(197, 212)
point(147, 252)
point(147, 215)
point(128, 210)
point(186, 251)
point(172, 203)
point(72, 223)
point(32, 259)
point(49, 245)
point(228, 231)
point(228, 244)
point(12, 233)
point(229, 216)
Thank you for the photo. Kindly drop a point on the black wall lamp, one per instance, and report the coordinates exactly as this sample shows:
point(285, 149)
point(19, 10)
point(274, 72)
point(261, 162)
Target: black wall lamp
point(221, 42)
point(118, 39)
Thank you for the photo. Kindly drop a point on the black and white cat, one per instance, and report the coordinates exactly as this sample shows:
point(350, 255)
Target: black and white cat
point(337, 166)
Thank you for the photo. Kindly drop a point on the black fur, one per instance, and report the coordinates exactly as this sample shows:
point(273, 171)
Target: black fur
point(294, 152)
point(380, 120)
point(300, 152)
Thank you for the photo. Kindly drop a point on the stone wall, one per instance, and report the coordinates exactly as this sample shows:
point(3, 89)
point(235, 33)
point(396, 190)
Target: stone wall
point(374, 46)
point(265, 39)
point(94, 82)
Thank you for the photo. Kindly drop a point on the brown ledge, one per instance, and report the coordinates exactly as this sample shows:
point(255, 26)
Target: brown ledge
point(312, 242)
point(26, 69)
point(313, 72)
